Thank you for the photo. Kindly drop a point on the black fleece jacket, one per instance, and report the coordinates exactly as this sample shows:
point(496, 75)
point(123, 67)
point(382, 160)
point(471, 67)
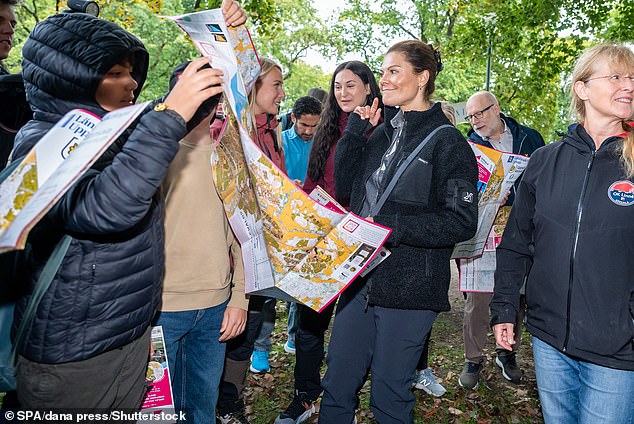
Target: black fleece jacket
point(569, 236)
point(432, 208)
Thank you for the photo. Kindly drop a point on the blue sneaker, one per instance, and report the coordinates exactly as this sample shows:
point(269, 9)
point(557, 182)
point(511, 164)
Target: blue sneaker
point(289, 347)
point(260, 361)
point(425, 380)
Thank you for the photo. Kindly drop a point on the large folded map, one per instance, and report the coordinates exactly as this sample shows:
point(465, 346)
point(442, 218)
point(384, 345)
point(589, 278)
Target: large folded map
point(497, 171)
point(52, 166)
point(293, 247)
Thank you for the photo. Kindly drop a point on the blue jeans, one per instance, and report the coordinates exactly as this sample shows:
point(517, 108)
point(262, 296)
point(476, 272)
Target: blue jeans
point(578, 392)
point(263, 341)
point(293, 322)
point(195, 358)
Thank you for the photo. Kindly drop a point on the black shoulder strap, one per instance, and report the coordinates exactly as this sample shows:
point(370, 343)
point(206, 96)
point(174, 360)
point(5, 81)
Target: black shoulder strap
point(401, 169)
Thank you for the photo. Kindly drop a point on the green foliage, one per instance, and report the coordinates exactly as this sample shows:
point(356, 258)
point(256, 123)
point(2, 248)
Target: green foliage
point(303, 78)
point(534, 45)
point(301, 31)
point(534, 42)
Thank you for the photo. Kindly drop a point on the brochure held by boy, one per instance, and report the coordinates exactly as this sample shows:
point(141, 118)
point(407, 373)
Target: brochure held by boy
point(53, 165)
point(293, 247)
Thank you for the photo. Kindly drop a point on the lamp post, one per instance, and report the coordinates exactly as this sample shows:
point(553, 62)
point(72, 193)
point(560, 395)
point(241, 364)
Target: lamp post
point(490, 21)
point(489, 51)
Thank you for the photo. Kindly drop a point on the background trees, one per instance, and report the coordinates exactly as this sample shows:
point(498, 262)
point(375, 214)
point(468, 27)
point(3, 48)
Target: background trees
point(533, 43)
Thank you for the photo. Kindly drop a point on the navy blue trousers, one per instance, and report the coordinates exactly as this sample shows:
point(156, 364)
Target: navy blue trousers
point(388, 342)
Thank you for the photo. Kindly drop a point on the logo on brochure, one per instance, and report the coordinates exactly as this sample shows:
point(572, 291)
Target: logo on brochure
point(69, 147)
point(350, 226)
point(622, 193)
point(216, 31)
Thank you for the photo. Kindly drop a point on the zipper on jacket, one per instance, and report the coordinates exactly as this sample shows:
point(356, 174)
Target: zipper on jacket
point(573, 252)
point(367, 296)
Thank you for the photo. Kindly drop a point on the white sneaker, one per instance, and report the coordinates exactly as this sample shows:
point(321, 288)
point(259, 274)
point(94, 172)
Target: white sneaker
point(426, 381)
point(289, 347)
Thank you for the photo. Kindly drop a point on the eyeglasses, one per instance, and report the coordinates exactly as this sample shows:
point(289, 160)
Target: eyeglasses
point(479, 113)
point(614, 79)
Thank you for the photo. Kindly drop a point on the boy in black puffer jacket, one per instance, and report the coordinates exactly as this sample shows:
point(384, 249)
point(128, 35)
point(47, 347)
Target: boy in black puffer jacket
point(88, 344)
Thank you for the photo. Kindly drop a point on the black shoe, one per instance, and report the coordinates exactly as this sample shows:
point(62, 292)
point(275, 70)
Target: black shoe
point(509, 367)
point(236, 417)
point(470, 375)
point(300, 409)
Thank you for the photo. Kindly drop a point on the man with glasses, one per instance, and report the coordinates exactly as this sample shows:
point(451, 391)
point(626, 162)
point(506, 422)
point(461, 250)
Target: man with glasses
point(491, 128)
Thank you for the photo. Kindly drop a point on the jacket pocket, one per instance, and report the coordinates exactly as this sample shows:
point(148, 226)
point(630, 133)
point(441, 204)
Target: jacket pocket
point(414, 185)
point(461, 197)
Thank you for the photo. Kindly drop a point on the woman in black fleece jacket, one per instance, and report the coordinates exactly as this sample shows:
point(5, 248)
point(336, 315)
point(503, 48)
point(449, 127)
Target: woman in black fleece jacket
point(382, 320)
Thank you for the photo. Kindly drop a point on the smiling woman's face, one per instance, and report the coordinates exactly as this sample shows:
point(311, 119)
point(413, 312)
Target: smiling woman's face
point(116, 89)
point(350, 91)
point(269, 93)
point(400, 85)
point(608, 92)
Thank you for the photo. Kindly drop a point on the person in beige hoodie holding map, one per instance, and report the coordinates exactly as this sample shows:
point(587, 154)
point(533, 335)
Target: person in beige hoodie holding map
point(203, 292)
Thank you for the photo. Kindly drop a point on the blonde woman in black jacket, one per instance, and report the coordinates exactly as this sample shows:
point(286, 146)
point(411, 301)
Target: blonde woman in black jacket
point(417, 175)
point(569, 236)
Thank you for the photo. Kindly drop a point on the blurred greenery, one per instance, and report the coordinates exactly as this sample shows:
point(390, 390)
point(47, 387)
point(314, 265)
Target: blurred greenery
point(534, 42)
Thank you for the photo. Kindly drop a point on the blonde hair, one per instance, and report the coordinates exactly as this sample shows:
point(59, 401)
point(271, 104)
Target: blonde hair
point(618, 57)
point(449, 111)
point(267, 66)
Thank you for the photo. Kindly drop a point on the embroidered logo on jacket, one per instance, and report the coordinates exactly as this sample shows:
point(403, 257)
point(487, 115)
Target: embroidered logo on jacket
point(467, 196)
point(622, 193)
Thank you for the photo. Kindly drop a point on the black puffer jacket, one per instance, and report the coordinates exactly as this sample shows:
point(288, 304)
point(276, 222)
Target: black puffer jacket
point(108, 287)
point(441, 209)
point(569, 236)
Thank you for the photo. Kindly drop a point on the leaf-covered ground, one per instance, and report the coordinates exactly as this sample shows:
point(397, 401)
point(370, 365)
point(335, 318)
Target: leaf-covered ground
point(494, 401)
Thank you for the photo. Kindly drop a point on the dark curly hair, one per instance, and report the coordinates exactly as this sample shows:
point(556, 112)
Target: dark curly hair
point(328, 133)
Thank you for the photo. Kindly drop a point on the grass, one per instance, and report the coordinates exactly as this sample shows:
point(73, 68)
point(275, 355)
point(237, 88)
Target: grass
point(495, 400)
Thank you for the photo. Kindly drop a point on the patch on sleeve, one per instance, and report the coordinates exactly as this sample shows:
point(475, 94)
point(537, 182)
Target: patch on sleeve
point(468, 196)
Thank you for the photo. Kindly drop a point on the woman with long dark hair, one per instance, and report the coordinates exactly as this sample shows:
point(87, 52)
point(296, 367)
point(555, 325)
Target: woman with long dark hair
point(352, 85)
point(417, 175)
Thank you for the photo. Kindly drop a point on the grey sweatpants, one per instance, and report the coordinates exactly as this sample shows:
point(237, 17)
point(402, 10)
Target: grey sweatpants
point(111, 380)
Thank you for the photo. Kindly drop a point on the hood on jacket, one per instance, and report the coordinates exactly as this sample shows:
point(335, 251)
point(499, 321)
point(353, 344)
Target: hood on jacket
point(66, 57)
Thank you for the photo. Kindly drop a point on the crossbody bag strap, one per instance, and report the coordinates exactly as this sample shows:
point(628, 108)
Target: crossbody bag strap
point(401, 169)
point(42, 285)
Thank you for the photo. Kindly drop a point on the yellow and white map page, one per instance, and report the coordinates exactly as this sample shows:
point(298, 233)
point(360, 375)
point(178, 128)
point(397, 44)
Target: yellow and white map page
point(277, 224)
point(497, 171)
point(236, 189)
point(49, 169)
point(316, 251)
point(231, 50)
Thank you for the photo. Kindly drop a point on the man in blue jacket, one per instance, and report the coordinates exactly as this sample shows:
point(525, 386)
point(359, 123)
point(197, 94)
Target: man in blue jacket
point(491, 128)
